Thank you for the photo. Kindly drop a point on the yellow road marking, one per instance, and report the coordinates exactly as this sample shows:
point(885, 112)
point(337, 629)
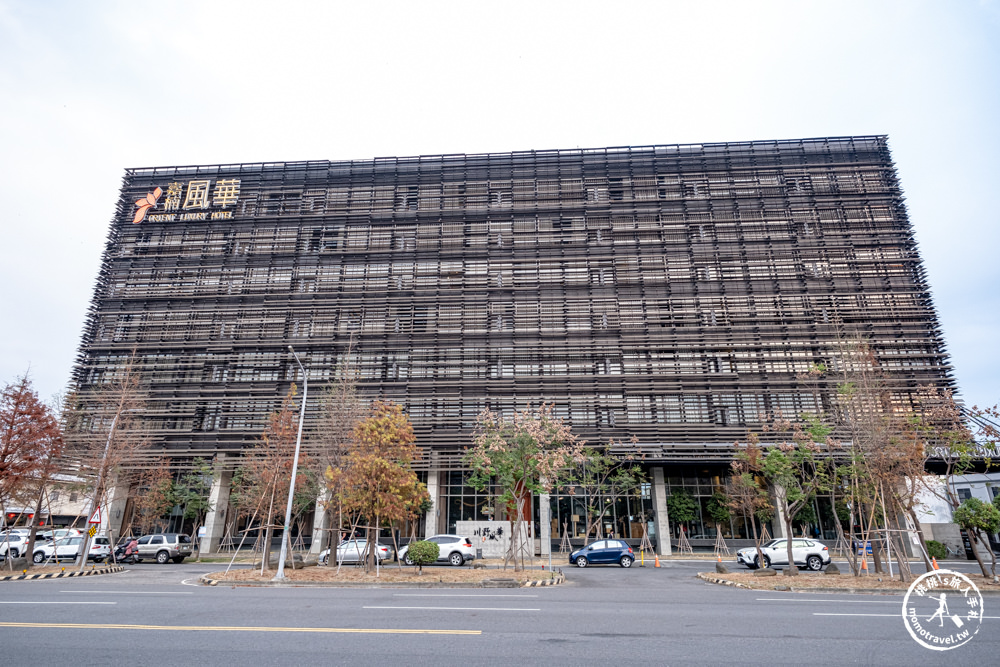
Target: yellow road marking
point(223, 628)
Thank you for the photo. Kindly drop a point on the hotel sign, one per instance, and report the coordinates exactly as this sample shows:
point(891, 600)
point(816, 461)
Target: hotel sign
point(192, 201)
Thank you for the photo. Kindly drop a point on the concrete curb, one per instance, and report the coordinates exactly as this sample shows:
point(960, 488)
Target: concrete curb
point(553, 581)
point(63, 575)
point(210, 580)
point(723, 582)
point(986, 592)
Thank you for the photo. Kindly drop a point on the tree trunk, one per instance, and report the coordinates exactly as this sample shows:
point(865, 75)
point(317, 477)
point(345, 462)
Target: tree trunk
point(975, 550)
point(923, 543)
point(793, 570)
point(34, 527)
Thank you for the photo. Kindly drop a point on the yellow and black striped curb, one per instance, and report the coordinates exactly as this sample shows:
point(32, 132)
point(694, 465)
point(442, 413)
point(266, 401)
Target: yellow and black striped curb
point(715, 580)
point(214, 579)
point(552, 581)
point(62, 575)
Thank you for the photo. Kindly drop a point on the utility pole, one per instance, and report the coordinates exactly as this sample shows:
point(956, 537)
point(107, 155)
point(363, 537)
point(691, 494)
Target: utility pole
point(280, 576)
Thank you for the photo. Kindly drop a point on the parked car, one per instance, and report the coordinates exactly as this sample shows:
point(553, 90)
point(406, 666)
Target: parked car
point(66, 548)
point(13, 544)
point(100, 549)
point(351, 551)
point(57, 534)
point(806, 553)
point(603, 552)
point(164, 547)
point(454, 549)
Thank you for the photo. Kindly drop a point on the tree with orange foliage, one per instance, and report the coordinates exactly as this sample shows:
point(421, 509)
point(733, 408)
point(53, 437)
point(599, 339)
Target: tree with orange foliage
point(376, 483)
point(30, 440)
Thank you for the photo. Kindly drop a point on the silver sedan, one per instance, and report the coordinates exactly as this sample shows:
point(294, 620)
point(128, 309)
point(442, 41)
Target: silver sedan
point(352, 551)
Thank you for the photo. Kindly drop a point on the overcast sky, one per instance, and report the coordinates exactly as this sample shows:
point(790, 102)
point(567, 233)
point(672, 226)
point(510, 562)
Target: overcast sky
point(88, 89)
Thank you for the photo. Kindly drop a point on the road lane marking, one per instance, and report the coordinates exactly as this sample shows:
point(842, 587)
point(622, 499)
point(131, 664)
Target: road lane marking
point(113, 592)
point(30, 602)
point(817, 613)
point(840, 601)
point(459, 595)
point(223, 628)
point(459, 608)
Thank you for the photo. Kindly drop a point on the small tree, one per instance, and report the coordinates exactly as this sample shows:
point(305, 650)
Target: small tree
point(261, 482)
point(682, 508)
point(530, 453)
point(30, 441)
point(192, 491)
point(341, 409)
point(602, 479)
point(962, 440)
point(28, 432)
point(745, 493)
point(423, 553)
point(105, 429)
point(377, 483)
point(718, 510)
point(805, 516)
point(797, 468)
point(979, 520)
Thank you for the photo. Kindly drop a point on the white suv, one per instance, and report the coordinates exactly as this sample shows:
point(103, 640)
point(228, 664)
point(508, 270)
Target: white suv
point(454, 549)
point(15, 544)
point(806, 552)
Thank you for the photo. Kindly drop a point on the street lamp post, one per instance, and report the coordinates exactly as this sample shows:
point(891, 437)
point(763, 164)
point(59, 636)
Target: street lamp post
point(280, 576)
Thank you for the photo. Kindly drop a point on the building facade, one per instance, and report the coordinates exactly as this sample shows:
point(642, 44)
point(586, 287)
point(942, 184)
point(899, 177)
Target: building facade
point(661, 297)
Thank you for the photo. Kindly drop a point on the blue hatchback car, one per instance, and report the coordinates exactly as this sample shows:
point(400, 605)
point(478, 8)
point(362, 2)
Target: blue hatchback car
point(603, 552)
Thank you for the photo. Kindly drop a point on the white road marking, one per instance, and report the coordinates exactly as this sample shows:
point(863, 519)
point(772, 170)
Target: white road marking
point(459, 608)
point(838, 601)
point(458, 595)
point(113, 592)
point(30, 602)
point(877, 615)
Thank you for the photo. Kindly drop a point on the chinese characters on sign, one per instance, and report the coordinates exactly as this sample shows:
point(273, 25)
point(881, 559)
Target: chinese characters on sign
point(198, 196)
point(488, 533)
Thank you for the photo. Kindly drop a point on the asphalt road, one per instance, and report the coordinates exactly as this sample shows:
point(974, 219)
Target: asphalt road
point(156, 614)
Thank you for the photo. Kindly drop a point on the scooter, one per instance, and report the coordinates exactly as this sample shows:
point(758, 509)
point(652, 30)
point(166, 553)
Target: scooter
point(120, 556)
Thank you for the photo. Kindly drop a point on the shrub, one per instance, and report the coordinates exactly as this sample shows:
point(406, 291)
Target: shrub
point(936, 550)
point(422, 553)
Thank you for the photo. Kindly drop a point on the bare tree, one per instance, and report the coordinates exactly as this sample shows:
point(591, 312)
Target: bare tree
point(962, 440)
point(341, 410)
point(601, 479)
point(265, 471)
point(105, 430)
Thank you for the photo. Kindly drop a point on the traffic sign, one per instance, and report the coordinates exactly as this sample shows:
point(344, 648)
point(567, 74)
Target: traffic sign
point(96, 517)
point(92, 531)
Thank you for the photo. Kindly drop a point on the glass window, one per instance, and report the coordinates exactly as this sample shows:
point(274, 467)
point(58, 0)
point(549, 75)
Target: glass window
point(602, 544)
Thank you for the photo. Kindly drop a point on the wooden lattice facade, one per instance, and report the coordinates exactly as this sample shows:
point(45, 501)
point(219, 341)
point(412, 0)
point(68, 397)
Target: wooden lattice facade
point(666, 293)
